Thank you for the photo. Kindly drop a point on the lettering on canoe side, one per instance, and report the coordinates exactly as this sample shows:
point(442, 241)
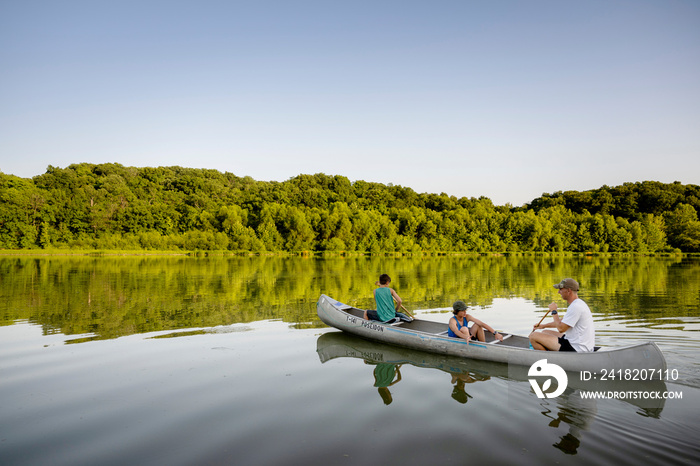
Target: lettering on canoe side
point(365, 324)
point(365, 355)
point(371, 326)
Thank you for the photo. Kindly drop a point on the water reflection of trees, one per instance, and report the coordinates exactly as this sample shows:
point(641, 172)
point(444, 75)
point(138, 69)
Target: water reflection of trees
point(114, 296)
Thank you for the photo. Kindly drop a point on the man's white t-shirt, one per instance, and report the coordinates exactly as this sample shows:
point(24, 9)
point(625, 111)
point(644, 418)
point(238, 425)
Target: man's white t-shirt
point(581, 335)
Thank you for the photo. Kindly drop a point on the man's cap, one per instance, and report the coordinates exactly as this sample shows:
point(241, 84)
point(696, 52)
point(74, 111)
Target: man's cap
point(569, 283)
point(459, 306)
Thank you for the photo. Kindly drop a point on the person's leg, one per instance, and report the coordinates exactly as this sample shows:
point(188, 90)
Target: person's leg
point(477, 332)
point(545, 341)
point(464, 333)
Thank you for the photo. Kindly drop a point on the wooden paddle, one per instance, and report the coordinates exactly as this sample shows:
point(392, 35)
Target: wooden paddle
point(543, 317)
point(409, 314)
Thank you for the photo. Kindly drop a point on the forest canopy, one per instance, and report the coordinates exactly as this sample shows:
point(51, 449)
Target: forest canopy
point(109, 206)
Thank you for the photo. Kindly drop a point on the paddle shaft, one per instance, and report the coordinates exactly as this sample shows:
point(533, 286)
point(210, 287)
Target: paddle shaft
point(543, 317)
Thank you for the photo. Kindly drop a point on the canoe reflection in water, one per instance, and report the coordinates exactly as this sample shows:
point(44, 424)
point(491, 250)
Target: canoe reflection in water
point(571, 408)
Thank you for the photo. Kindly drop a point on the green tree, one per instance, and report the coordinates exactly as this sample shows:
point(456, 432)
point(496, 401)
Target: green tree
point(683, 228)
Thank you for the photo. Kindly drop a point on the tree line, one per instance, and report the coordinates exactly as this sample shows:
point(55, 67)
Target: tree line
point(109, 206)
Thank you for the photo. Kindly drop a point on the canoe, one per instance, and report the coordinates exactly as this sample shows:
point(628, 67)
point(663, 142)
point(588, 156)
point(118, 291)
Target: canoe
point(336, 345)
point(638, 360)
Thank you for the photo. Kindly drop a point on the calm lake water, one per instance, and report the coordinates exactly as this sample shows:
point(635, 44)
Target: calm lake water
point(197, 361)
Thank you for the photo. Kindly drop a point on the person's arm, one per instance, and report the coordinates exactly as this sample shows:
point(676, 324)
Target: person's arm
point(486, 326)
point(397, 374)
point(558, 324)
point(482, 324)
point(397, 298)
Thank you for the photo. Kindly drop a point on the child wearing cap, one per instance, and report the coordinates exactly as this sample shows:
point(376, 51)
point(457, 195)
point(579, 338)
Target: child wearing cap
point(459, 325)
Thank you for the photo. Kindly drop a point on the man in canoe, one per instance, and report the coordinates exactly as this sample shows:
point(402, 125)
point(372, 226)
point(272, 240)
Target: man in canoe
point(575, 332)
point(459, 325)
point(388, 302)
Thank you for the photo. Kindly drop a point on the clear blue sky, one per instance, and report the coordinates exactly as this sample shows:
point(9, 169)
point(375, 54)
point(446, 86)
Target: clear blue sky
point(498, 98)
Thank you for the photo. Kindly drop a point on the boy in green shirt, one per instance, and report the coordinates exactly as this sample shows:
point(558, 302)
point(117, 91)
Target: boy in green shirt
point(385, 298)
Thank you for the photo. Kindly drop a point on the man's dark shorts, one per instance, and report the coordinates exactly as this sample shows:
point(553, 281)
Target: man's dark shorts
point(565, 345)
